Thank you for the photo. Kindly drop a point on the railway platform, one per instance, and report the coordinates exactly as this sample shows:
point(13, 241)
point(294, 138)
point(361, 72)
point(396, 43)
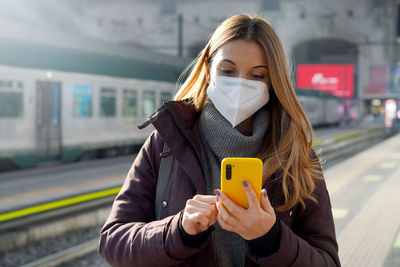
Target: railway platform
point(365, 197)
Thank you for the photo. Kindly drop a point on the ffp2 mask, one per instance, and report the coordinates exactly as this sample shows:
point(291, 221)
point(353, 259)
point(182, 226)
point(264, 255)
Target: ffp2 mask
point(237, 98)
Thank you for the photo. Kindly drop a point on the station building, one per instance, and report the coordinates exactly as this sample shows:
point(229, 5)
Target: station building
point(347, 47)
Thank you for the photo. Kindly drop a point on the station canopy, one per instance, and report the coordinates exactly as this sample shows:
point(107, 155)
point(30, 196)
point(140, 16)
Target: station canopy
point(22, 46)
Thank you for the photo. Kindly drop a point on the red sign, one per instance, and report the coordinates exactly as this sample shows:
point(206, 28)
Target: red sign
point(337, 79)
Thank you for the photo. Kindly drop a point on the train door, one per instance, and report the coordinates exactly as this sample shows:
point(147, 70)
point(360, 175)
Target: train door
point(48, 125)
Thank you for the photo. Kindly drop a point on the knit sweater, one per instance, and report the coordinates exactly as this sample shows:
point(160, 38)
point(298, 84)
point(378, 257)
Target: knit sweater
point(219, 140)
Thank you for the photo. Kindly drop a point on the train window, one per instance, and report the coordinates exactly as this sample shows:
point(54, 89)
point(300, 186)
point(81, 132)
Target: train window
point(20, 84)
point(8, 84)
point(129, 107)
point(165, 96)
point(11, 99)
point(149, 103)
point(108, 101)
point(82, 101)
point(11, 104)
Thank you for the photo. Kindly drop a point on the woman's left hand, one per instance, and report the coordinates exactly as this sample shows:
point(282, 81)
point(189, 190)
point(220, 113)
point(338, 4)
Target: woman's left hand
point(249, 223)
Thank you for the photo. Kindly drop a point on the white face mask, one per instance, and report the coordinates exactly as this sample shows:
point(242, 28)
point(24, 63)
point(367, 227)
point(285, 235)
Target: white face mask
point(236, 98)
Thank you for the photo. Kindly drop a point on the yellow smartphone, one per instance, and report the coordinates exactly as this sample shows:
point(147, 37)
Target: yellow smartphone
point(236, 170)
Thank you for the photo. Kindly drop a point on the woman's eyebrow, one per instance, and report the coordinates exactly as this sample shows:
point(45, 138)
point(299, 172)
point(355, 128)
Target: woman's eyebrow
point(260, 66)
point(228, 60)
point(255, 67)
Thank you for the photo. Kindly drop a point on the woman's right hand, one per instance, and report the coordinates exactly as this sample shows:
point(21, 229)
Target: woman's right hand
point(199, 214)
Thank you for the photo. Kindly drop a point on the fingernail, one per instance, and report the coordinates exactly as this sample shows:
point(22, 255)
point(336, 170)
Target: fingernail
point(217, 192)
point(217, 199)
point(245, 183)
point(265, 193)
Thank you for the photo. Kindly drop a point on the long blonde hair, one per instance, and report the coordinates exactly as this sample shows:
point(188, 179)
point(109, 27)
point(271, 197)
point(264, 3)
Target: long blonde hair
point(286, 151)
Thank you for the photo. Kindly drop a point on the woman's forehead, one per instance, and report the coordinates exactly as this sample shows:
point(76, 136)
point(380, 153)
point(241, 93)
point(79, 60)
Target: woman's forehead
point(241, 51)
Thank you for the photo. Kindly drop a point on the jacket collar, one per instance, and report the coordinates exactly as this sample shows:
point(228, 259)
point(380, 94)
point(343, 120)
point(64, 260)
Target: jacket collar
point(183, 112)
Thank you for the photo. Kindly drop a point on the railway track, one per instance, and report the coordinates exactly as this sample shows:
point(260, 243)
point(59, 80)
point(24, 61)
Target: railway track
point(335, 150)
point(66, 255)
point(92, 213)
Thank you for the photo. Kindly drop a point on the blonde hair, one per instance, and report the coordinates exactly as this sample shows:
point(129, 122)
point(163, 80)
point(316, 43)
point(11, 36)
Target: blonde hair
point(286, 151)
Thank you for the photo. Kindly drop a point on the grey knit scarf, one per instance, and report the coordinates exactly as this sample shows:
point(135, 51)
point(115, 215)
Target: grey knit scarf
point(219, 140)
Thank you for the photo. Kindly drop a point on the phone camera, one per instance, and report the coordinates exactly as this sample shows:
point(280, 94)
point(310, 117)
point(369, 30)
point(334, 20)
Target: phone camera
point(228, 172)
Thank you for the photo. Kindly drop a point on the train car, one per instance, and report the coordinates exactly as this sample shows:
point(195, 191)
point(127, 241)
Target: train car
point(60, 103)
point(322, 109)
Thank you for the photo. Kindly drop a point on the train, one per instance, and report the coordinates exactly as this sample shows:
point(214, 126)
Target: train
point(60, 103)
point(322, 109)
point(70, 103)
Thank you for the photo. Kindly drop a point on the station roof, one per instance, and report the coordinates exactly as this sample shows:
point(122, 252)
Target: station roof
point(85, 55)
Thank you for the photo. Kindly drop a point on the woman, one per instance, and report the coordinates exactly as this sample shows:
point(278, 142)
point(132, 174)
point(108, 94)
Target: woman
point(238, 101)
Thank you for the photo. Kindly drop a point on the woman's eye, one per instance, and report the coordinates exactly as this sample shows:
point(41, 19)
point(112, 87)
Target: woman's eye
point(258, 76)
point(226, 71)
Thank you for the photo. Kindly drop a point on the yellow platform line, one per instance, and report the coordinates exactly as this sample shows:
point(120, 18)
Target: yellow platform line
point(396, 243)
point(339, 213)
point(58, 189)
point(387, 165)
point(373, 178)
point(58, 204)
